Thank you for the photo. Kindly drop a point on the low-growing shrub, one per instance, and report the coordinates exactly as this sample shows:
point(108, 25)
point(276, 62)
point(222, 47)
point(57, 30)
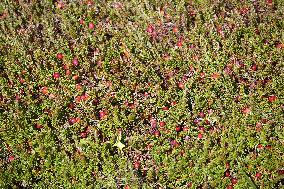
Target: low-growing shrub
point(141, 94)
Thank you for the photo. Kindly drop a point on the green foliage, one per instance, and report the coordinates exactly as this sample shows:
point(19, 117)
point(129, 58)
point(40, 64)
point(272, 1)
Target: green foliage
point(166, 94)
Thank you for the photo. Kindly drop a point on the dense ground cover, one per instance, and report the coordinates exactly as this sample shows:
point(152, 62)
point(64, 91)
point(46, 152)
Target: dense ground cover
point(141, 94)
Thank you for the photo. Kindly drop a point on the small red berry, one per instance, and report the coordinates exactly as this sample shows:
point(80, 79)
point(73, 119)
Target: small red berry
point(202, 114)
point(136, 165)
point(227, 174)
point(246, 110)
point(78, 99)
point(272, 98)
point(44, 90)
point(280, 46)
point(157, 133)
point(150, 29)
point(227, 165)
point(21, 80)
point(200, 136)
point(234, 180)
point(263, 120)
point(75, 77)
point(85, 96)
point(215, 75)
point(189, 185)
point(87, 129)
point(71, 105)
point(65, 66)
point(38, 126)
point(269, 2)
point(181, 85)
point(210, 111)
point(201, 128)
point(173, 103)
point(230, 187)
point(75, 62)
point(165, 108)
point(11, 158)
point(78, 86)
point(174, 143)
point(185, 129)
point(56, 75)
point(258, 175)
point(78, 119)
point(149, 146)
point(258, 124)
point(281, 172)
point(196, 121)
point(72, 120)
point(184, 78)
point(175, 29)
point(90, 3)
point(59, 56)
point(91, 25)
point(179, 43)
point(83, 134)
point(178, 128)
point(60, 5)
point(254, 67)
point(153, 122)
point(102, 114)
point(18, 97)
point(162, 123)
point(81, 21)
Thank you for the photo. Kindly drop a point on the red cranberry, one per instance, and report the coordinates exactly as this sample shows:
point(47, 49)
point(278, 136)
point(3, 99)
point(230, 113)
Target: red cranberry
point(258, 175)
point(272, 98)
point(185, 129)
point(165, 108)
point(181, 85)
point(227, 174)
point(38, 126)
point(56, 75)
point(202, 114)
point(179, 43)
point(254, 67)
point(162, 123)
point(201, 128)
point(81, 21)
point(173, 103)
point(11, 158)
point(234, 180)
point(136, 165)
point(72, 120)
point(157, 133)
point(150, 29)
point(230, 187)
point(178, 128)
point(102, 114)
point(91, 25)
point(75, 62)
point(200, 136)
point(83, 134)
point(59, 56)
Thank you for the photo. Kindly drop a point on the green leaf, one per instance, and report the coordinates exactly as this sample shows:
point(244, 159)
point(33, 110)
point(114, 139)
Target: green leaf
point(119, 145)
point(251, 183)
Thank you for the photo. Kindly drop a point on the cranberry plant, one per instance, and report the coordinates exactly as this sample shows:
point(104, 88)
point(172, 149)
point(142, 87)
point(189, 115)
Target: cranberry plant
point(141, 94)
